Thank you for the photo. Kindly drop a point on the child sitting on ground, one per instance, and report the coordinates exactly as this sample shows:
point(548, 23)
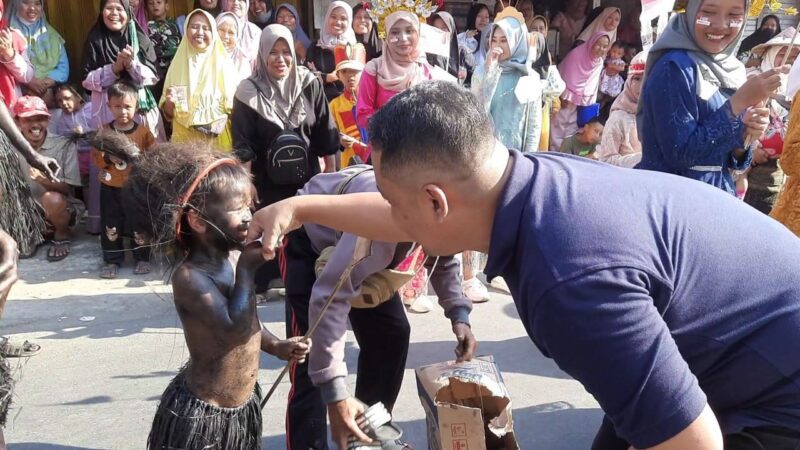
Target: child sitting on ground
point(585, 141)
point(122, 101)
point(350, 61)
point(197, 202)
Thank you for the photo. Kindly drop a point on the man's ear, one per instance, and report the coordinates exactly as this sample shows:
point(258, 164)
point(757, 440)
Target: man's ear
point(196, 223)
point(436, 202)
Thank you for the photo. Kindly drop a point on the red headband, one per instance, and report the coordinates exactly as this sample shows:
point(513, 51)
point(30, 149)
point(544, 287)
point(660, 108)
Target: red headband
point(193, 187)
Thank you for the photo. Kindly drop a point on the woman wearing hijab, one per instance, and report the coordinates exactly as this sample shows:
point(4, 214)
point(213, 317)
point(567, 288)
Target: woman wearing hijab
point(601, 20)
point(228, 28)
point(366, 32)
point(287, 16)
point(200, 85)
point(249, 33)
point(213, 7)
point(18, 69)
point(697, 103)
point(401, 66)
point(497, 84)
point(472, 39)
point(787, 206)
point(581, 72)
point(445, 22)
point(620, 144)
point(541, 66)
point(116, 49)
point(336, 30)
point(281, 95)
point(569, 23)
point(45, 47)
point(260, 12)
point(765, 177)
point(770, 27)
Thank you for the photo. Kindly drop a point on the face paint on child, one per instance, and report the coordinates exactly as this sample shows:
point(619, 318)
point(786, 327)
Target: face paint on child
point(703, 21)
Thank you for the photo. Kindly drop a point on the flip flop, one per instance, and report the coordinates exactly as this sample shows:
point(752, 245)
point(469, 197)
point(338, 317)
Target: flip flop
point(142, 268)
point(109, 271)
point(65, 244)
point(12, 350)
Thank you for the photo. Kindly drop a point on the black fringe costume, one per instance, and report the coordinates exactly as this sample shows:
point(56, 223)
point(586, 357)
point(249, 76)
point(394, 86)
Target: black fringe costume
point(185, 422)
point(20, 215)
point(6, 388)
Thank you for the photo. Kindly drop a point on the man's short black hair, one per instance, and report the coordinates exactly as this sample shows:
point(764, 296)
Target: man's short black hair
point(434, 125)
point(123, 88)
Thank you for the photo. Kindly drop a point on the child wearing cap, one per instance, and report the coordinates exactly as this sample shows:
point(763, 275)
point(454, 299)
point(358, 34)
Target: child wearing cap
point(61, 209)
point(114, 171)
point(350, 61)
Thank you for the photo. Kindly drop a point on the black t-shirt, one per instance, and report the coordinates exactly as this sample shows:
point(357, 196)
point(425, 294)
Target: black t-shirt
point(325, 62)
point(253, 135)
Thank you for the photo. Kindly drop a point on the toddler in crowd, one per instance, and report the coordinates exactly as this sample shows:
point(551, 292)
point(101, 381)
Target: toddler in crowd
point(585, 141)
point(114, 171)
point(73, 121)
point(611, 79)
point(350, 61)
point(163, 31)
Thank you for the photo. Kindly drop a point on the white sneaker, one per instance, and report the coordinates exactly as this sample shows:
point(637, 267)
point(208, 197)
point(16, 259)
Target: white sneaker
point(420, 305)
point(474, 290)
point(500, 283)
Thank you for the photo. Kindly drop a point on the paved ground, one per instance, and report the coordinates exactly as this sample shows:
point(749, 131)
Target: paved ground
point(97, 381)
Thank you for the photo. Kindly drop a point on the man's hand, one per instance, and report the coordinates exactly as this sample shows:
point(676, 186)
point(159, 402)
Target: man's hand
point(8, 265)
point(467, 344)
point(342, 415)
point(270, 224)
point(39, 86)
point(294, 349)
point(48, 166)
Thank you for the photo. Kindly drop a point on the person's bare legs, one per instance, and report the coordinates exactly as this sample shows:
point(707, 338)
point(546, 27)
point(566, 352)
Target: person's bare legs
point(58, 214)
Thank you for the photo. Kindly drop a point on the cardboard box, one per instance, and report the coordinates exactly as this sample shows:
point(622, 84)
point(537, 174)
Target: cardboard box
point(467, 406)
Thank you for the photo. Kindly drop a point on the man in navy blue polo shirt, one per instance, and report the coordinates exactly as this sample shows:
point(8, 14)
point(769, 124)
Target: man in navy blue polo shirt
point(676, 306)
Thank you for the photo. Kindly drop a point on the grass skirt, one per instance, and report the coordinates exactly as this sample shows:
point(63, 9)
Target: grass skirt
point(6, 389)
point(20, 216)
point(185, 422)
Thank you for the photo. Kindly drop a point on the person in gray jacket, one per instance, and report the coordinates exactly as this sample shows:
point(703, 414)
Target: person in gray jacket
point(382, 331)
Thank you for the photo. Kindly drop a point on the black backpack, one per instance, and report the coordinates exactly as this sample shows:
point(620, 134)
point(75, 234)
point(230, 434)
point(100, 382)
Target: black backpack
point(287, 161)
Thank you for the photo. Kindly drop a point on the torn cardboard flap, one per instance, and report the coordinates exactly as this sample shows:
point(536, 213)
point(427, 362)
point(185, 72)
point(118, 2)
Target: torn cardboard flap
point(467, 406)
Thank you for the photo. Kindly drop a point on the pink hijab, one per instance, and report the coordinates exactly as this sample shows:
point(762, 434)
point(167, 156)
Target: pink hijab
point(395, 72)
point(581, 72)
point(597, 26)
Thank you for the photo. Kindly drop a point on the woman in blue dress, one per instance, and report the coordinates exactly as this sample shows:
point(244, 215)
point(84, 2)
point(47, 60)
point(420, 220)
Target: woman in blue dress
point(697, 106)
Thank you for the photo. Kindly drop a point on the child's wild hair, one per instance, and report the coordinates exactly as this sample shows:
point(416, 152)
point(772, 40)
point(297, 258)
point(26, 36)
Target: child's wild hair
point(154, 194)
point(115, 144)
point(122, 88)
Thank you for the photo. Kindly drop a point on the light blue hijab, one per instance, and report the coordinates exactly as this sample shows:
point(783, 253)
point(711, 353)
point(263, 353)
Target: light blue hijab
point(517, 36)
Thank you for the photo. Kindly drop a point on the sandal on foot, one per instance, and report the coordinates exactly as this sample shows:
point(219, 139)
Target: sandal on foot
point(23, 350)
point(142, 268)
point(109, 271)
point(56, 247)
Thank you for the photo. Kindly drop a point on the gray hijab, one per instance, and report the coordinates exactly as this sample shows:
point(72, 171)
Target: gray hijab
point(729, 71)
point(278, 101)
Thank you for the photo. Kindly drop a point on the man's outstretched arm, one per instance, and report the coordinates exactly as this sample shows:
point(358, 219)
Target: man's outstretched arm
point(364, 214)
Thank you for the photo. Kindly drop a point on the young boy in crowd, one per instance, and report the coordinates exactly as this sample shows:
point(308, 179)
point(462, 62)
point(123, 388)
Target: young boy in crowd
point(350, 61)
point(61, 209)
point(379, 322)
point(196, 202)
point(165, 35)
point(585, 141)
point(114, 171)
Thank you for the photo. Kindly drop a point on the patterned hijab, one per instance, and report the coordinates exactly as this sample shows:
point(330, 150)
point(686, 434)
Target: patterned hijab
point(43, 41)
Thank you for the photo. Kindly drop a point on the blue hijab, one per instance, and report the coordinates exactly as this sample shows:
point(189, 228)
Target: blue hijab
point(299, 33)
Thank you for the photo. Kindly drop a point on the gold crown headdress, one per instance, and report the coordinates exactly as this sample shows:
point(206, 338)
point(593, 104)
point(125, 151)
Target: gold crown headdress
point(757, 7)
point(510, 11)
point(381, 9)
